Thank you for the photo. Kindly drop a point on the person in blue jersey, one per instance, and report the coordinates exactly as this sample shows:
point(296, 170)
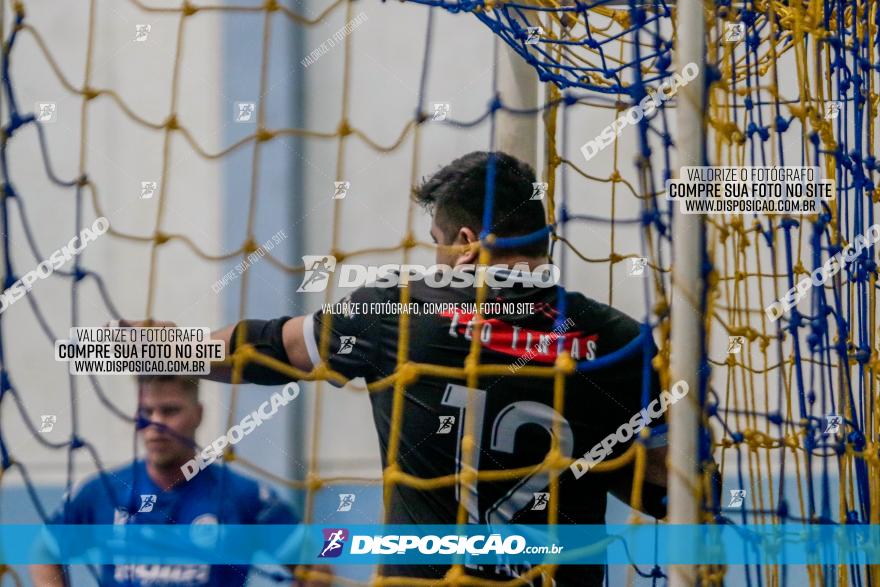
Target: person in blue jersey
point(155, 491)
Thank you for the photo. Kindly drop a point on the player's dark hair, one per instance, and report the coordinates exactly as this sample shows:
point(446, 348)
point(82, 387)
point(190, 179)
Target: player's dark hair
point(456, 196)
point(188, 384)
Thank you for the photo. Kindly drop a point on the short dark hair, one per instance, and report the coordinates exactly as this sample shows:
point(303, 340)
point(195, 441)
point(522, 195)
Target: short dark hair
point(189, 384)
point(456, 196)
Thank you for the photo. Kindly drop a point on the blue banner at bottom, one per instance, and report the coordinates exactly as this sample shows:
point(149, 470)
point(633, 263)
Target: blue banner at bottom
point(473, 544)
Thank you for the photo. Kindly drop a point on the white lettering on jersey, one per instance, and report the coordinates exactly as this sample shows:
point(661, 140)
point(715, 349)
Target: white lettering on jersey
point(453, 326)
point(163, 574)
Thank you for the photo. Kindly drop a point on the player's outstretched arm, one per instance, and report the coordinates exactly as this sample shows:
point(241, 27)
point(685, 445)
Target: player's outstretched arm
point(47, 575)
point(292, 338)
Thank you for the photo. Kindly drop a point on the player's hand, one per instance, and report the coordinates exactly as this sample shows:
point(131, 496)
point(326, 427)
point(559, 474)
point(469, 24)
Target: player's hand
point(316, 581)
point(145, 324)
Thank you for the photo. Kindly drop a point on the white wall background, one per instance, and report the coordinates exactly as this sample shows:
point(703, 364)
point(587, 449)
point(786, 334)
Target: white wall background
point(119, 155)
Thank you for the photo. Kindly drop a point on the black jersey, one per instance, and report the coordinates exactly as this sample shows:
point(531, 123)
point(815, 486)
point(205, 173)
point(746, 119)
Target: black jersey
point(513, 414)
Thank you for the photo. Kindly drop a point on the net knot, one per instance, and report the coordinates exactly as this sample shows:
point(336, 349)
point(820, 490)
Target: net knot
point(321, 371)
point(734, 134)
point(264, 135)
point(555, 459)
point(661, 308)
point(622, 18)
point(243, 353)
point(344, 129)
point(392, 473)
point(565, 364)
point(313, 482)
point(781, 124)
point(172, 123)
point(468, 475)
point(862, 355)
point(89, 93)
point(188, 9)
point(271, 5)
point(756, 440)
point(250, 245)
point(161, 238)
point(407, 374)
point(409, 242)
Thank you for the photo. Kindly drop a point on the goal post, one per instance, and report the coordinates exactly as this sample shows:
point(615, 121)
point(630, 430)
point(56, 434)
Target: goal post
point(517, 134)
point(517, 85)
point(686, 334)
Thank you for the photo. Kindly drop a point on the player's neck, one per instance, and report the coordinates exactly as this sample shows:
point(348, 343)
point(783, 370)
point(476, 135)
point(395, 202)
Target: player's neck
point(513, 260)
point(166, 477)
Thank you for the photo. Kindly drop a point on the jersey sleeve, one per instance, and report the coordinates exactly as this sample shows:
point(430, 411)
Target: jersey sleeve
point(641, 384)
point(266, 336)
point(629, 384)
point(354, 327)
point(51, 547)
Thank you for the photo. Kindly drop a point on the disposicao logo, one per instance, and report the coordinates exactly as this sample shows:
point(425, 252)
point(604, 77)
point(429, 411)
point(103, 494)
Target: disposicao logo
point(334, 540)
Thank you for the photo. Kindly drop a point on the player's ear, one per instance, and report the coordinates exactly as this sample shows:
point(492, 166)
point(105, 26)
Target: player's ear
point(470, 239)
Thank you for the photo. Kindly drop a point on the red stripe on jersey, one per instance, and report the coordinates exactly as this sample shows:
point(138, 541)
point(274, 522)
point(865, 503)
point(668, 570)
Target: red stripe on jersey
point(515, 341)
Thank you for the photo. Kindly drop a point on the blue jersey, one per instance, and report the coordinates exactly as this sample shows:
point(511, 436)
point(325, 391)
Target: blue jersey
point(217, 495)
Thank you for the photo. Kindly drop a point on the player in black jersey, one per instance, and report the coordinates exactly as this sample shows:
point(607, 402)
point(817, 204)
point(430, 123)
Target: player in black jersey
point(514, 414)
